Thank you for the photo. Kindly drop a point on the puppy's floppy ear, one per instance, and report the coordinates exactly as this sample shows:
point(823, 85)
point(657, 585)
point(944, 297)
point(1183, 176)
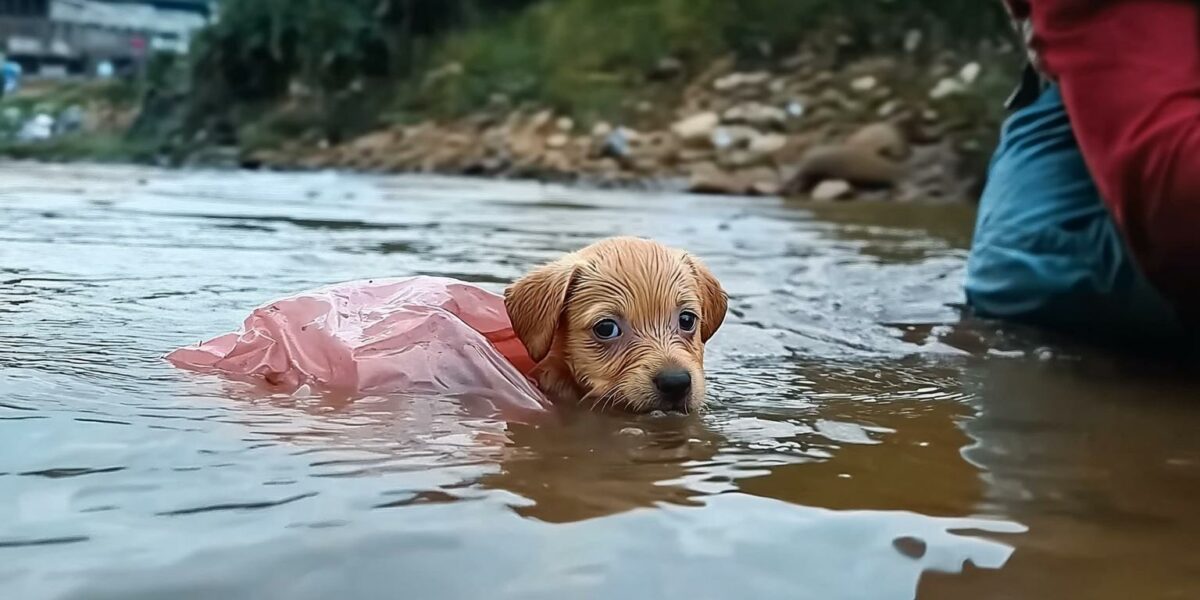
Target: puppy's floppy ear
point(535, 304)
point(713, 300)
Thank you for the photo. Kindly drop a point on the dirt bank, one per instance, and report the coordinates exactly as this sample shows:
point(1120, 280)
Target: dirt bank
point(879, 128)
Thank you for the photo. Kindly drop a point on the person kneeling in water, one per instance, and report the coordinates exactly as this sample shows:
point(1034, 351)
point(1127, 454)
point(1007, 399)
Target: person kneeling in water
point(1090, 220)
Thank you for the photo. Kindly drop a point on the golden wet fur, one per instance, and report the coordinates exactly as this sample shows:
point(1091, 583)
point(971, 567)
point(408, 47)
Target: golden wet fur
point(643, 288)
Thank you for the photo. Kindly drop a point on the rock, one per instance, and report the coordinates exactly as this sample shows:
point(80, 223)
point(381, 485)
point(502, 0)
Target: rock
point(888, 108)
point(692, 155)
point(708, 178)
point(761, 181)
point(733, 136)
point(797, 146)
point(756, 114)
point(831, 189)
point(738, 159)
point(525, 143)
point(946, 87)
point(646, 166)
point(616, 144)
point(834, 98)
point(374, 144)
point(654, 139)
point(564, 124)
point(765, 188)
point(721, 139)
point(860, 167)
point(697, 127)
point(557, 162)
point(733, 81)
point(865, 83)
point(882, 92)
point(601, 129)
point(634, 136)
point(883, 139)
point(911, 547)
point(767, 144)
point(557, 140)
point(970, 72)
point(541, 120)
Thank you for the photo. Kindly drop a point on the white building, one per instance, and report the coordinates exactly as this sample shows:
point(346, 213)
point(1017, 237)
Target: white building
point(51, 36)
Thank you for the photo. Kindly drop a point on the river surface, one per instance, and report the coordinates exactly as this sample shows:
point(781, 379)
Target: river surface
point(865, 440)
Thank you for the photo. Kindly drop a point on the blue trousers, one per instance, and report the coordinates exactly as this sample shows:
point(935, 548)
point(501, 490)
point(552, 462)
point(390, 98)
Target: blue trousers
point(1046, 250)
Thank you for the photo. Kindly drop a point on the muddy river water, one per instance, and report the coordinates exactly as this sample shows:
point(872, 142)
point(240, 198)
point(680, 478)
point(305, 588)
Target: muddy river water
point(865, 439)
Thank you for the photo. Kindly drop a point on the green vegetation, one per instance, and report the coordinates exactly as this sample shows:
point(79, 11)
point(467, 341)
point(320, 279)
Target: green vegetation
point(284, 69)
point(97, 114)
point(94, 147)
point(271, 71)
point(337, 61)
point(585, 56)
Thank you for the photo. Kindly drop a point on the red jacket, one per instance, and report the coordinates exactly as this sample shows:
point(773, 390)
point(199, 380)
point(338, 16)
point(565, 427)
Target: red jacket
point(1129, 71)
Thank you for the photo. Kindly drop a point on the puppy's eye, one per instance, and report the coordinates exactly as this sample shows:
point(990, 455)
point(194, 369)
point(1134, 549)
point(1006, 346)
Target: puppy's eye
point(607, 330)
point(688, 320)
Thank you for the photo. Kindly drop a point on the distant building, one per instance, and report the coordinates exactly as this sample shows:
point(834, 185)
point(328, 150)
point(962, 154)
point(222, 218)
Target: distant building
point(51, 37)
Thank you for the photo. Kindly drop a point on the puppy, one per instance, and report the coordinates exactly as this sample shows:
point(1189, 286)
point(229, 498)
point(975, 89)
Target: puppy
point(621, 323)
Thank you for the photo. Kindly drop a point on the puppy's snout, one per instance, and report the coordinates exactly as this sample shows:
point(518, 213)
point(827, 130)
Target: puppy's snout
point(674, 385)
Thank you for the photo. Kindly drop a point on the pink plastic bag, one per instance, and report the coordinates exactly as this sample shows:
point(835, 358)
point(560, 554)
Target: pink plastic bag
point(413, 336)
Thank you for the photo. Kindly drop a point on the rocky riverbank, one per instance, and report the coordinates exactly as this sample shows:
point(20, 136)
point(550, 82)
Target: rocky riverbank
point(878, 128)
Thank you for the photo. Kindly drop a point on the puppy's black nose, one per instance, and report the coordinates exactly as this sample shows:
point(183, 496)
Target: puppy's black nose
point(673, 385)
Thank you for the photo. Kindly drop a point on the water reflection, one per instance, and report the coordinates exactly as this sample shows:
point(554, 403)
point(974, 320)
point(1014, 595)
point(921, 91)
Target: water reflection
point(865, 440)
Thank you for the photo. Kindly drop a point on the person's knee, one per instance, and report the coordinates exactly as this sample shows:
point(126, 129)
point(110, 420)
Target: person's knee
point(1010, 279)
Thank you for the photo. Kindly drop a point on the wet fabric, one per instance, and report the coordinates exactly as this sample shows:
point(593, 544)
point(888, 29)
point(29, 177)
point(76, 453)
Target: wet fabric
point(1046, 249)
point(1129, 73)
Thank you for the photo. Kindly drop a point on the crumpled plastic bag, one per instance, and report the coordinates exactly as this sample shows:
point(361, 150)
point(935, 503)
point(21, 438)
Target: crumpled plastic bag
point(413, 336)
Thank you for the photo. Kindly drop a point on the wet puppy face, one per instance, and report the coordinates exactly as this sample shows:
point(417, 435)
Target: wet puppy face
point(621, 323)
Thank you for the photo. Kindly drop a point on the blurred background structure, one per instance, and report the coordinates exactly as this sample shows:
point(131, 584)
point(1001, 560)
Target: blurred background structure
point(77, 37)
